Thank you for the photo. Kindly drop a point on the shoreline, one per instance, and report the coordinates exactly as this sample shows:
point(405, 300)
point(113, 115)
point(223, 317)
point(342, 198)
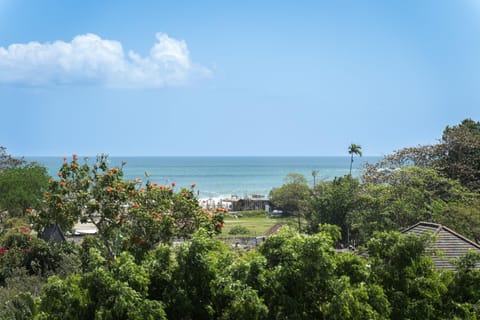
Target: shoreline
point(224, 177)
point(236, 203)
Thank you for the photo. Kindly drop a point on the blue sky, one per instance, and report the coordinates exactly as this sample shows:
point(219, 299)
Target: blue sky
point(234, 77)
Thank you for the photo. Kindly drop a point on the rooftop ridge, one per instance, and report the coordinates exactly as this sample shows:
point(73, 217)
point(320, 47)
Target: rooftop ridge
point(438, 227)
point(473, 243)
point(451, 243)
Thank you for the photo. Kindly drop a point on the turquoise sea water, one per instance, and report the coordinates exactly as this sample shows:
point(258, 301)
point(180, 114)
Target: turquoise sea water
point(225, 176)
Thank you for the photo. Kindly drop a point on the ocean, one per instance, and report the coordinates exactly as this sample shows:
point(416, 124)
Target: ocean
point(223, 177)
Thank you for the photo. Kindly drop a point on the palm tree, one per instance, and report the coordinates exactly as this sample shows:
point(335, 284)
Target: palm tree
point(354, 149)
point(314, 175)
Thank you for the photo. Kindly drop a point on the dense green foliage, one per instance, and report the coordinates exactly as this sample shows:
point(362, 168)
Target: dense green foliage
point(239, 230)
point(21, 184)
point(412, 194)
point(456, 156)
point(332, 202)
point(461, 153)
point(291, 276)
point(132, 269)
point(436, 183)
point(291, 196)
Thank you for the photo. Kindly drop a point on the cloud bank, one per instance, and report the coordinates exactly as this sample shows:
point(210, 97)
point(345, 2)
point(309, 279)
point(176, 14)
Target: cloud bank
point(89, 59)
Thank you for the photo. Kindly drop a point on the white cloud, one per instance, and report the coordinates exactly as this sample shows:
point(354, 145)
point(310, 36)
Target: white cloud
point(91, 59)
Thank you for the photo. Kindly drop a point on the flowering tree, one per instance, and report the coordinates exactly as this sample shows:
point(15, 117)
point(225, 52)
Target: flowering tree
point(158, 214)
point(127, 214)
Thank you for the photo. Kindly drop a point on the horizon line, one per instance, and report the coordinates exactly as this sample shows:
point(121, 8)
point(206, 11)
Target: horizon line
point(197, 156)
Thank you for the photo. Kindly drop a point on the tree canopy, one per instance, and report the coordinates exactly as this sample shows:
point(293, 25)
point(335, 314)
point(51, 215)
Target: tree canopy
point(456, 156)
point(291, 196)
point(331, 203)
point(132, 270)
point(7, 161)
point(21, 185)
point(129, 215)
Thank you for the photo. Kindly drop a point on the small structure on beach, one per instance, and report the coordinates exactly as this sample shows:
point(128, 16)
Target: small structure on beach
point(254, 202)
point(449, 244)
point(235, 203)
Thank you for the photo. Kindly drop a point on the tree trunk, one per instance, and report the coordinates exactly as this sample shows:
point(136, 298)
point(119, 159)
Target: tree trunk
point(351, 163)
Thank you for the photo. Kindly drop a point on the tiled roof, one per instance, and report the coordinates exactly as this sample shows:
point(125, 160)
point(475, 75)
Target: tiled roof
point(448, 246)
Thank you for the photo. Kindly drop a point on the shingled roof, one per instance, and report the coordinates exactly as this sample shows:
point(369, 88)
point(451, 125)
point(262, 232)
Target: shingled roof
point(450, 244)
point(53, 233)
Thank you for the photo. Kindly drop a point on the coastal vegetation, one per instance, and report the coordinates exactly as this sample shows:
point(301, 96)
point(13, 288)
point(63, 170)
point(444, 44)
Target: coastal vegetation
point(436, 183)
point(354, 149)
point(252, 223)
point(21, 184)
point(157, 254)
point(291, 196)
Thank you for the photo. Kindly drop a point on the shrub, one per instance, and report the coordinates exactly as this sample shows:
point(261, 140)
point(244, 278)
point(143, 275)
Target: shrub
point(239, 230)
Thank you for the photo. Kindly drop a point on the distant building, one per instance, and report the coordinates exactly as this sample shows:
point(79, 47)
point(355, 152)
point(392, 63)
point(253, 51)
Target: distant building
point(449, 244)
point(255, 202)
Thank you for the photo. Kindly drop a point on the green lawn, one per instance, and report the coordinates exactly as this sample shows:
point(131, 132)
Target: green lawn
point(256, 224)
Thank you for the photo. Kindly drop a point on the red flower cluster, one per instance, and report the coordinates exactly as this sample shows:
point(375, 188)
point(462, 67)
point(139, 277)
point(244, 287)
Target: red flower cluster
point(3, 250)
point(25, 230)
point(113, 171)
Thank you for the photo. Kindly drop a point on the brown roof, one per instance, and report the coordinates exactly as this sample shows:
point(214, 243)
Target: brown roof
point(274, 229)
point(448, 246)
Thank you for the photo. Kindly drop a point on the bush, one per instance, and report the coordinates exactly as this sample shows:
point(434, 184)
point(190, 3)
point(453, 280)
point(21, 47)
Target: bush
point(19, 249)
point(239, 230)
point(17, 293)
point(22, 188)
point(253, 213)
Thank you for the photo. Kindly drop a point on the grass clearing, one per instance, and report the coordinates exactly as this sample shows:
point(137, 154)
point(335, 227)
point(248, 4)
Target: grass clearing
point(256, 224)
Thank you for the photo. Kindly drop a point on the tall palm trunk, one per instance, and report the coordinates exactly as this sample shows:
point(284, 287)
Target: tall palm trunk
point(351, 163)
